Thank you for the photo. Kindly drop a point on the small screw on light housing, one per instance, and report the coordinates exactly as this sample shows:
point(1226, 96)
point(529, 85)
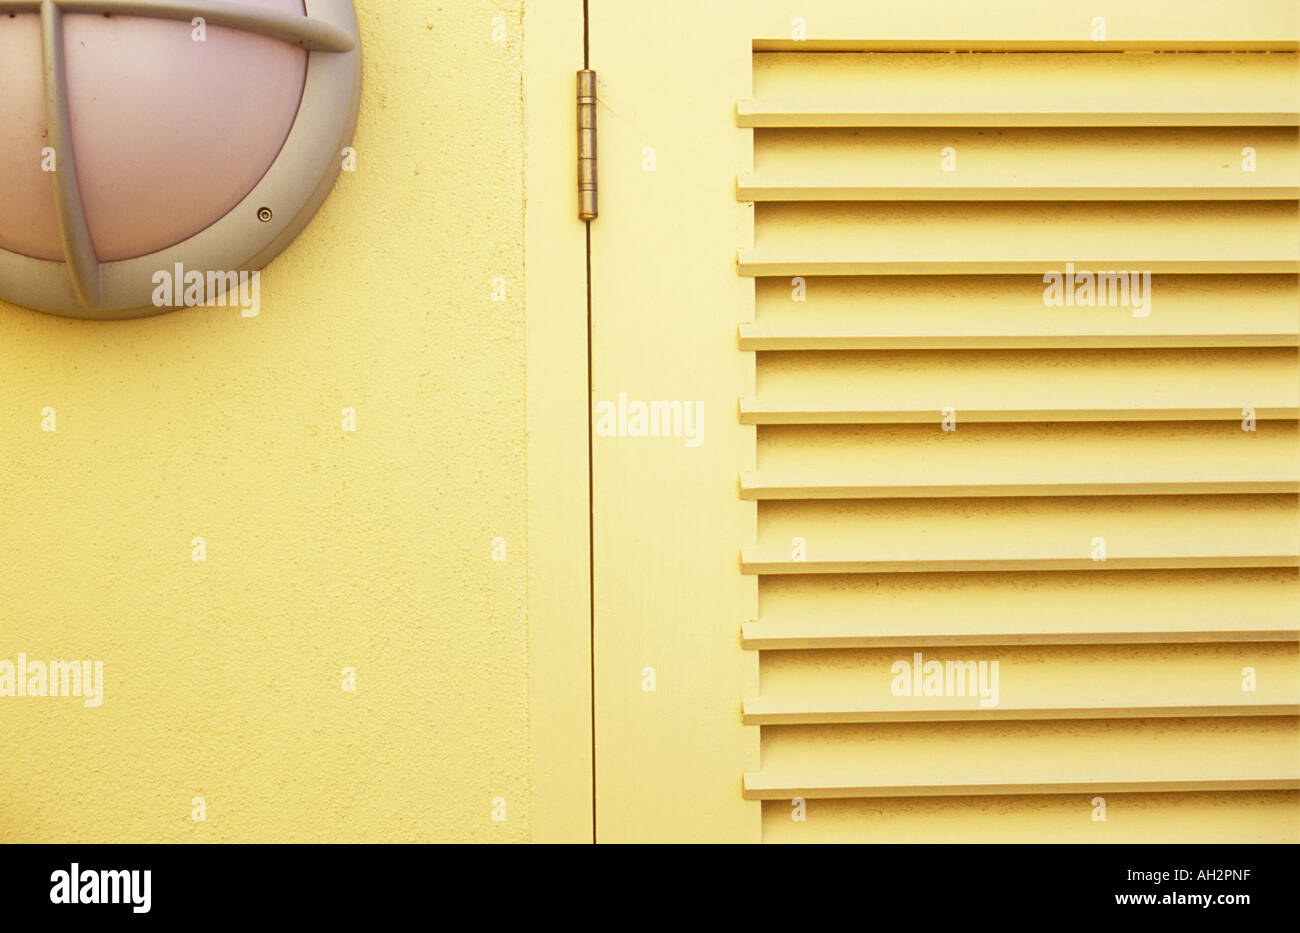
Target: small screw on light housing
point(264, 214)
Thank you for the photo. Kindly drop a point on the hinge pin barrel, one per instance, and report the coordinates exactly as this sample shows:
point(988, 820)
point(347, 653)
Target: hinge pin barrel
point(587, 208)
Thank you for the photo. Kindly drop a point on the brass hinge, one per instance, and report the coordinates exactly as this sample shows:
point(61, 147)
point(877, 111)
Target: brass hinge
point(587, 144)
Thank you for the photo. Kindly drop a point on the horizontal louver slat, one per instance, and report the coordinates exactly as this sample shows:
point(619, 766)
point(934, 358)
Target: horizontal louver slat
point(1198, 817)
point(1025, 237)
point(1049, 608)
point(1054, 164)
point(1017, 89)
point(992, 312)
point(1112, 682)
point(1022, 459)
point(1085, 756)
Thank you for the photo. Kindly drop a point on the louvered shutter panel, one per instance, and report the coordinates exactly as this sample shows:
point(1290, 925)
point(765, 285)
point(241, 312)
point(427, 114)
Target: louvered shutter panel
point(1111, 516)
point(921, 197)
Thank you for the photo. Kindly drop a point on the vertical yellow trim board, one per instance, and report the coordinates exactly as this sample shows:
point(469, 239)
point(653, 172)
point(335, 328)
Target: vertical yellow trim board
point(559, 566)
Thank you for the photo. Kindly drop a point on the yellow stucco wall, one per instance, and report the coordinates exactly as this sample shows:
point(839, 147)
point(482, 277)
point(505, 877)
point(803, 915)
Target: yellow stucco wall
point(324, 549)
point(373, 550)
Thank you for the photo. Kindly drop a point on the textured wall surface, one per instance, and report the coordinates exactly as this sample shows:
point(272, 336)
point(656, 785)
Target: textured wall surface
point(324, 549)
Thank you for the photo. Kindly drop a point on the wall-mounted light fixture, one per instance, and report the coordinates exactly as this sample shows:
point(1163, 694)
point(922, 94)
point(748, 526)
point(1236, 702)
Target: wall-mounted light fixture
point(141, 138)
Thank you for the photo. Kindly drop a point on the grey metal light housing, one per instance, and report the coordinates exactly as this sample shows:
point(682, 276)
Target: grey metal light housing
point(259, 227)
